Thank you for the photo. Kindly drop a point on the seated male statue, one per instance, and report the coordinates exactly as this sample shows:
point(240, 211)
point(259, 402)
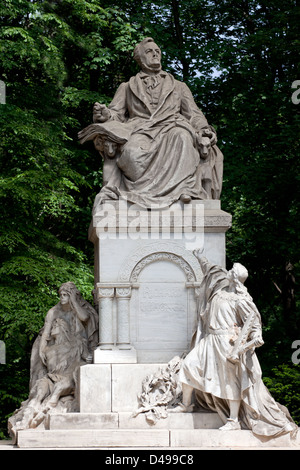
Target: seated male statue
point(157, 145)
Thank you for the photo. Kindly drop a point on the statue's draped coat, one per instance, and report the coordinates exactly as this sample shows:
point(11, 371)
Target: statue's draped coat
point(160, 160)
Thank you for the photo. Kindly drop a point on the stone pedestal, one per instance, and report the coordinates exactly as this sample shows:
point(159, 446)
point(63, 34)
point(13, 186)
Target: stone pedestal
point(106, 388)
point(147, 284)
point(147, 278)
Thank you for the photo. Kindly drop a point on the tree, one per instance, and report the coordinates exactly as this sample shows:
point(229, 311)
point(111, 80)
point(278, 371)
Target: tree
point(59, 57)
point(240, 60)
point(53, 55)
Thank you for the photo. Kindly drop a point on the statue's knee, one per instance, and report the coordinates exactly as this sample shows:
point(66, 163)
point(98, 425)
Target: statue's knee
point(180, 133)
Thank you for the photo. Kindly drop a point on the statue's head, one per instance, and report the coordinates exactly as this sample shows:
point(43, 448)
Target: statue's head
point(148, 55)
point(66, 290)
point(59, 326)
point(238, 272)
point(236, 277)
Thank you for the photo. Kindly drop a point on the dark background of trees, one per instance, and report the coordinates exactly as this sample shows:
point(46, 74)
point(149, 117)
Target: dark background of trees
point(57, 58)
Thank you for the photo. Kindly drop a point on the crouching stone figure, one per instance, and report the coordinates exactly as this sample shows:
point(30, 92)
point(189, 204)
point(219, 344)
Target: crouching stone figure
point(66, 341)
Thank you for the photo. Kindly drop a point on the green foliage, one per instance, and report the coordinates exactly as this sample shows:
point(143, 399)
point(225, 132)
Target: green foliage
point(57, 58)
point(284, 386)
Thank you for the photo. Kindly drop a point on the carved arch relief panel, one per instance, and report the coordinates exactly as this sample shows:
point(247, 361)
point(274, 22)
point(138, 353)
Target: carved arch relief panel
point(163, 313)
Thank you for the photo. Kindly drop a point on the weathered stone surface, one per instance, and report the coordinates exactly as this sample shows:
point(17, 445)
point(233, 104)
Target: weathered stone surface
point(84, 421)
point(106, 388)
point(80, 438)
point(156, 143)
point(145, 438)
point(232, 439)
point(126, 420)
point(66, 341)
point(146, 281)
point(95, 388)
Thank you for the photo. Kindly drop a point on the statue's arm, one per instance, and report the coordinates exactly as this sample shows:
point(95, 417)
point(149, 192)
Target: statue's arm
point(204, 263)
point(115, 111)
point(118, 106)
point(79, 306)
point(246, 308)
point(46, 334)
point(190, 110)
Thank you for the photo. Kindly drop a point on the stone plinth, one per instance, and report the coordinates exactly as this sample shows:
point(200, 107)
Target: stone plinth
point(106, 388)
point(147, 278)
point(91, 438)
point(108, 400)
point(125, 420)
point(149, 438)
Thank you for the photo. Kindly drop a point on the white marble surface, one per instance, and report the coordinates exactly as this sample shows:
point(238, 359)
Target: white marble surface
point(158, 269)
point(106, 388)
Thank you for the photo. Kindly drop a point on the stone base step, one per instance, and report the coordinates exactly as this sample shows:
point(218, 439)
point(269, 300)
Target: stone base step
point(227, 439)
point(91, 438)
point(147, 438)
point(125, 420)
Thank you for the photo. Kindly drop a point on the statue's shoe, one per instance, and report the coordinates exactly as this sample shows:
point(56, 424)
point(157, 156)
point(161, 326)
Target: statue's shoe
point(185, 198)
point(231, 425)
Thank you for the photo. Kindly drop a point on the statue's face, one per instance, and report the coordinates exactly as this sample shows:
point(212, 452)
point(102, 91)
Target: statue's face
point(64, 297)
point(150, 55)
point(55, 328)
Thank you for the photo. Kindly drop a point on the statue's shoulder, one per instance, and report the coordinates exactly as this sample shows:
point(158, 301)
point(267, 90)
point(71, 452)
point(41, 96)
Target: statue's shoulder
point(53, 312)
point(227, 296)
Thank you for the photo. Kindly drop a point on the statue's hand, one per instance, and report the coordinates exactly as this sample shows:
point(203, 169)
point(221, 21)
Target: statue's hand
point(210, 134)
point(233, 358)
point(73, 300)
point(101, 113)
point(258, 341)
point(198, 252)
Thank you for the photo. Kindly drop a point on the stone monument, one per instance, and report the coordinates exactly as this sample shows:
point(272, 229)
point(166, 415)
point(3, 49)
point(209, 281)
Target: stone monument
point(162, 180)
point(155, 223)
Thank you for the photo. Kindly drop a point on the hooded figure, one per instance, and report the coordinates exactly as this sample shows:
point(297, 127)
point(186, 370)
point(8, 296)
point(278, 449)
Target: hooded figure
point(222, 366)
